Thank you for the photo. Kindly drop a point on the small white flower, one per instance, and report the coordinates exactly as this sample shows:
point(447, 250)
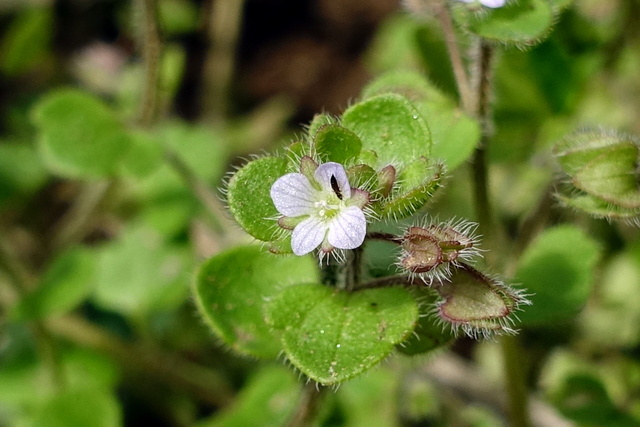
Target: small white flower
point(321, 207)
point(488, 3)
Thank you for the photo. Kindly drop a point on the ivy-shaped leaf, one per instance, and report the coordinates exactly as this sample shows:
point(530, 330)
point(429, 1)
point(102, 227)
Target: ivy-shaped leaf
point(79, 135)
point(332, 336)
point(232, 288)
point(391, 126)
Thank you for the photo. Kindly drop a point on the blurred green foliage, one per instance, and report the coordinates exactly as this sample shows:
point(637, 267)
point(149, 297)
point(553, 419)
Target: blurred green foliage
point(104, 219)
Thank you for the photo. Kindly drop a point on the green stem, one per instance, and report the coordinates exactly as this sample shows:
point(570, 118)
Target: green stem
point(482, 201)
point(22, 283)
point(206, 384)
point(354, 270)
point(150, 41)
point(200, 190)
point(77, 220)
point(308, 406)
point(517, 395)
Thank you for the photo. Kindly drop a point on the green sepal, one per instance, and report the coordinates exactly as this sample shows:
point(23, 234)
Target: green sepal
point(391, 126)
point(233, 287)
point(318, 121)
point(519, 23)
point(332, 336)
point(362, 176)
point(335, 143)
point(417, 184)
point(578, 149)
point(598, 207)
point(613, 176)
point(249, 196)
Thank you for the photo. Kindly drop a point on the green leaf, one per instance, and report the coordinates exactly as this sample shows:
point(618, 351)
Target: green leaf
point(177, 16)
point(454, 134)
point(202, 149)
point(391, 126)
point(21, 171)
point(337, 144)
point(366, 400)
point(91, 407)
point(332, 336)
point(232, 287)
point(139, 273)
point(522, 22)
point(557, 271)
point(585, 400)
point(64, 285)
point(144, 156)
point(429, 333)
point(249, 196)
point(26, 41)
point(267, 400)
point(80, 136)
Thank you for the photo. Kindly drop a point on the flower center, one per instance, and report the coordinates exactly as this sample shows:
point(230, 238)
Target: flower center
point(326, 209)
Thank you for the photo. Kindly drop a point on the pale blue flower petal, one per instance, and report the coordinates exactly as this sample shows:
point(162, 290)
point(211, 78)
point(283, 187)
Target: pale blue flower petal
point(293, 195)
point(488, 3)
point(308, 235)
point(493, 3)
point(348, 228)
point(324, 173)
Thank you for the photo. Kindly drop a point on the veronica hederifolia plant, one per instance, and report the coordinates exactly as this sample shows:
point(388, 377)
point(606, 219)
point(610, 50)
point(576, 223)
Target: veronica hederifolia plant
point(328, 195)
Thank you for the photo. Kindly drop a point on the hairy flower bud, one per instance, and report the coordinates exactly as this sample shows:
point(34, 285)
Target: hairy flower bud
point(431, 249)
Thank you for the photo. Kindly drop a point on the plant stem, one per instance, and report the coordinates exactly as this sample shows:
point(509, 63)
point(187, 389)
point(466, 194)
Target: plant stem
point(150, 41)
point(482, 201)
point(22, 283)
point(354, 270)
point(457, 64)
point(511, 348)
point(204, 383)
point(77, 220)
point(200, 190)
point(517, 396)
point(225, 19)
point(308, 405)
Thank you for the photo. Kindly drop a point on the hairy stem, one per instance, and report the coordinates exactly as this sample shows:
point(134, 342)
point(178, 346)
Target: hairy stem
point(457, 64)
point(482, 201)
point(308, 405)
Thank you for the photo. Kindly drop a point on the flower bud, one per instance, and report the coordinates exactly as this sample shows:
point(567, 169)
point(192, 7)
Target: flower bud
point(603, 175)
point(432, 249)
point(477, 304)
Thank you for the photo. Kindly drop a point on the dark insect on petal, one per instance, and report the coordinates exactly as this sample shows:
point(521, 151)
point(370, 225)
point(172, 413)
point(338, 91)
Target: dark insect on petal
point(335, 188)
